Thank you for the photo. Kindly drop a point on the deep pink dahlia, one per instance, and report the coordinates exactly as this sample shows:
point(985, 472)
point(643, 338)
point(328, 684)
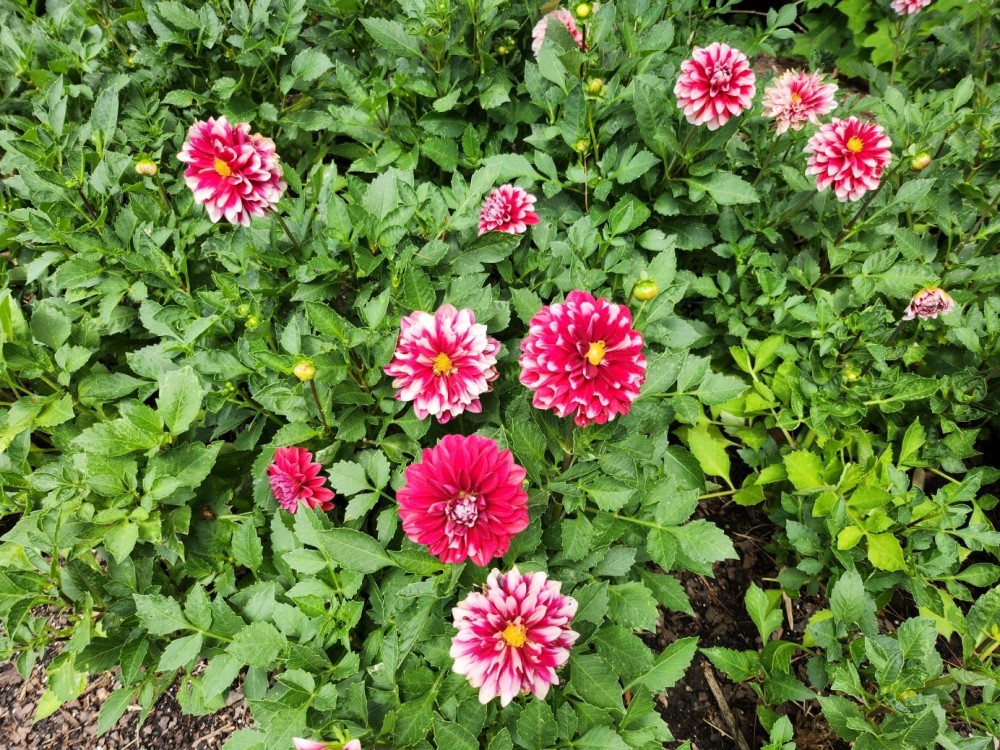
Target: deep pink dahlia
point(795, 98)
point(929, 303)
point(513, 636)
point(716, 83)
point(443, 362)
point(507, 209)
point(294, 478)
point(566, 18)
point(233, 172)
point(464, 500)
point(583, 357)
point(906, 7)
point(850, 155)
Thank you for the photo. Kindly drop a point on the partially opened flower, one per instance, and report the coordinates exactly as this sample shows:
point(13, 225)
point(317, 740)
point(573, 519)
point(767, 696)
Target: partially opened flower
point(795, 98)
point(929, 303)
point(513, 636)
point(849, 154)
point(233, 172)
point(566, 19)
point(716, 83)
point(443, 362)
point(507, 209)
point(295, 479)
point(301, 744)
point(582, 357)
point(464, 500)
point(906, 7)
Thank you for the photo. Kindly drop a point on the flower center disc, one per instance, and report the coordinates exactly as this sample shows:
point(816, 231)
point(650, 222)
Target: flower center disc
point(463, 510)
point(515, 635)
point(443, 365)
point(796, 99)
point(595, 353)
point(221, 168)
point(855, 145)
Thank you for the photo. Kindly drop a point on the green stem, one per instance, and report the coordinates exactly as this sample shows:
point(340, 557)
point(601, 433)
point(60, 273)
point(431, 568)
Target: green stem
point(319, 406)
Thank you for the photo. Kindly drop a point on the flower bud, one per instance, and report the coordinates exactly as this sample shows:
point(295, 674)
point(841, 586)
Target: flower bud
point(920, 161)
point(581, 146)
point(146, 167)
point(645, 290)
point(252, 322)
point(583, 10)
point(502, 49)
point(305, 371)
point(851, 373)
point(595, 86)
point(243, 310)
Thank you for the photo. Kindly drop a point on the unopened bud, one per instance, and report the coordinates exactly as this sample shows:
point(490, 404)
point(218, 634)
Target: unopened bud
point(920, 161)
point(305, 371)
point(583, 10)
point(645, 290)
point(502, 49)
point(595, 86)
point(253, 321)
point(581, 146)
point(146, 167)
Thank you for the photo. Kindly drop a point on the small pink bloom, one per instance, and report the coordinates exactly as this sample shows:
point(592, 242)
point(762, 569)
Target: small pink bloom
point(563, 16)
point(513, 636)
point(929, 303)
point(443, 362)
point(464, 500)
point(352, 745)
point(716, 83)
point(301, 744)
point(906, 7)
point(294, 478)
point(582, 357)
point(850, 155)
point(233, 172)
point(507, 209)
point(795, 98)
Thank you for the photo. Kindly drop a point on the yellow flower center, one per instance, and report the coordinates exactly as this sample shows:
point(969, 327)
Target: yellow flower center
point(855, 145)
point(796, 99)
point(595, 354)
point(515, 635)
point(443, 365)
point(221, 168)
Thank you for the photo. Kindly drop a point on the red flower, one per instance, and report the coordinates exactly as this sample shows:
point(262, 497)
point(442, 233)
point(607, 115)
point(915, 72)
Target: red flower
point(583, 357)
point(795, 98)
point(929, 303)
point(716, 83)
point(295, 479)
point(464, 500)
point(850, 155)
point(233, 172)
point(507, 209)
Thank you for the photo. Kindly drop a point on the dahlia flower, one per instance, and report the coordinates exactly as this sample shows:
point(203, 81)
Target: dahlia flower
point(906, 7)
point(443, 362)
point(716, 83)
point(464, 500)
point(513, 635)
point(929, 303)
point(301, 744)
point(583, 357)
point(295, 479)
point(507, 209)
point(850, 155)
point(795, 98)
point(233, 172)
point(563, 16)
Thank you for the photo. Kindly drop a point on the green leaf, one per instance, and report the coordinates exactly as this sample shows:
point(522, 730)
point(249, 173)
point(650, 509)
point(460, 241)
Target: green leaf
point(629, 213)
point(670, 666)
point(601, 738)
point(765, 615)
point(717, 389)
point(805, 470)
point(248, 550)
point(219, 675)
point(592, 679)
point(632, 605)
point(704, 543)
point(844, 716)
point(536, 727)
point(180, 399)
point(983, 615)
point(914, 439)
point(738, 666)
point(180, 652)
point(50, 326)
point(257, 645)
point(884, 552)
point(849, 601)
point(354, 550)
point(725, 188)
point(662, 372)
point(120, 540)
point(577, 537)
point(310, 64)
point(348, 478)
point(709, 447)
point(160, 614)
point(392, 37)
point(113, 709)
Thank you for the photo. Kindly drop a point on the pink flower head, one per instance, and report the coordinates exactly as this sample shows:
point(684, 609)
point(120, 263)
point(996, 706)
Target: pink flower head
point(850, 155)
point(352, 745)
point(563, 16)
point(294, 478)
point(716, 83)
point(233, 172)
point(906, 7)
point(507, 209)
point(513, 635)
point(443, 362)
point(795, 98)
point(301, 744)
point(583, 357)
point(464, 500)
point(929, 303)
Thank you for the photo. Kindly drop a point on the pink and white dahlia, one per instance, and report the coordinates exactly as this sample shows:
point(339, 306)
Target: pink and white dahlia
point(301, 744)
point(465, 499)
point(295, 479)
point(907, 7)
point(233, 172)
point(443, 362)
point(582, 357)
point(513, 636)
point(795, 98)
point(716, 83)
point(929, 303)
point(507, 209)
point(566, 19)
point(850, 155)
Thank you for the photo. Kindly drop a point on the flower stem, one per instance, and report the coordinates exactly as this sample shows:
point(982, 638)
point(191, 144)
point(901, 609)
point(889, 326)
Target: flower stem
point(284, 225)
point(767, 160)
point(895, 48)
point(319, 406)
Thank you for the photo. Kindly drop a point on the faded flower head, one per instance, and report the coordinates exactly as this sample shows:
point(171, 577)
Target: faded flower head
point(513, 636)
point(716, 83)
point(929, 303)
point(795, 98)
point(464, 500)
point(507, 209)
point(566, 19)
point(907, 7)
point(295, 479)
point(849, 154)
point(233, 172)
point(443, 362)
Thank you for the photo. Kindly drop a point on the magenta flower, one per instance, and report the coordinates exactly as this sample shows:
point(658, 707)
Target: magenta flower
point(716, 83)
point(929, 303)
point(295, 479)
point(906, 7)
point(563, 16)
point(507, 209)
point(301, 744)
point(513, 636)
point(850, 155)
point(233, 172)
point(582, 357)
point(443, 362)
point(464, 500)
point(795, 98)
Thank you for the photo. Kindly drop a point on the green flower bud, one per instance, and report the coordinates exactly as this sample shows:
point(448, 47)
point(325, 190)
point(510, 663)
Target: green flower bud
point(595, 86)
point(581, 146)
point(645, 290)
point(146, 167)
point(305, 371)
point(583, 10)
point(920, 161)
